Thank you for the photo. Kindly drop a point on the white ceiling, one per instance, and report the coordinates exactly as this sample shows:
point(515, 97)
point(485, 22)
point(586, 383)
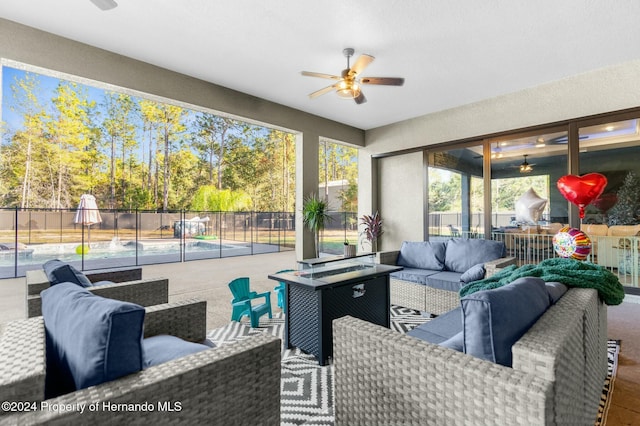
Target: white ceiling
point(451, 52)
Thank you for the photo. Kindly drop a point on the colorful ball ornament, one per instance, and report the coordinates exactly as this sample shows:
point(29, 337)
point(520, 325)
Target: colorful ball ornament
point(572, 243)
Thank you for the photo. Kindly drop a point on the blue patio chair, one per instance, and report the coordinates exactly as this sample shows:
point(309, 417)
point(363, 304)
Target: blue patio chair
point(241, 303)
point(280, 289)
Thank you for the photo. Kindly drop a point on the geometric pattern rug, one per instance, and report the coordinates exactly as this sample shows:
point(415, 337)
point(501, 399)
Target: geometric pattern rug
point(306, 390)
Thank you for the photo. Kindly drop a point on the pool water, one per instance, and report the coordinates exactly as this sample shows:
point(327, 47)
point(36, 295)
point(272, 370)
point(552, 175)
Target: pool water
point(38, 254)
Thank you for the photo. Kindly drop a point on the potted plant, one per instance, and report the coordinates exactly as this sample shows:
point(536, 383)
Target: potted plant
point(315, 215)
point(372, 229)
point(349, 249)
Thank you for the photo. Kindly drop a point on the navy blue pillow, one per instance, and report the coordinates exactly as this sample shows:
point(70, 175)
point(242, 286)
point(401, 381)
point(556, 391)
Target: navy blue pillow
point(494, 320)
point(163, 348)
point(58, 271)
point(90, 339)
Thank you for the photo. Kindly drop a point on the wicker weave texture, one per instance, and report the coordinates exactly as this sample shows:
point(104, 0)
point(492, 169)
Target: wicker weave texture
point(22, 361)
point(385, 377)
point(407, 294)
point(147, 292)
point(233, 384)
point(185, 319)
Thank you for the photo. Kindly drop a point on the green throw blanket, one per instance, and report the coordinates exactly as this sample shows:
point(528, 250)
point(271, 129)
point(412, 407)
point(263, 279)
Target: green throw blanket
point(570, 272)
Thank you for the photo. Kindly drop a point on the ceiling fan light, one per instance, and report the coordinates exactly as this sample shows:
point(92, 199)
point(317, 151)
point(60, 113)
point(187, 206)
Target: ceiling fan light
point(525, 167)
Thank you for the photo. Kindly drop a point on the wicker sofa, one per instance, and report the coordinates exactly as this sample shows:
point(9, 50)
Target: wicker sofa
point(434, 289)
point(559, 367)
point(208, 387)
point(128, 285)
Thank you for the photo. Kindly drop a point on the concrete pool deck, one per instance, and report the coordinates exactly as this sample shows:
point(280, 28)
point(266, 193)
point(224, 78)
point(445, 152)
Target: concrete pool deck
point(201, 279)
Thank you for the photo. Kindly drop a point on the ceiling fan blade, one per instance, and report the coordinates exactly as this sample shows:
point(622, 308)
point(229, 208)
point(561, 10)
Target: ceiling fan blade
point(317, 74)
point(322, 91)
point(360, 99)
point(362, 62)
point(387, 81)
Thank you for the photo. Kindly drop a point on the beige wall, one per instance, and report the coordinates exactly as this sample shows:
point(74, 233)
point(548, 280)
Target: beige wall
point(41, 49)
point(401, 199)
point(600, 91)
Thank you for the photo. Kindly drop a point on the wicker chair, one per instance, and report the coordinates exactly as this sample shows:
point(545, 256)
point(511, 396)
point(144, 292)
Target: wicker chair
point(559, 368)
point(202, 388)
point(128, 286)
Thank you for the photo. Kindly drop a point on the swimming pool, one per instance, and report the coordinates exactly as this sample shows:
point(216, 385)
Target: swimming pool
point(40, 253)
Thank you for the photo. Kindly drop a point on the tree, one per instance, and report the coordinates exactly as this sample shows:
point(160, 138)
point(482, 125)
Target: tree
point(627, 209)
point(121, 133)
point(210, 198)
point(69, 133)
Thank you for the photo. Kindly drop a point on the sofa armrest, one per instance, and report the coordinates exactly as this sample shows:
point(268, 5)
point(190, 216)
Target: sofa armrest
point(186, 319)
point(492, 266)
point(147, 292)
point(120, 275)
point(385, 377)
point(36, 280)
point(22, 361)
point(387, 257)
point(232, 384)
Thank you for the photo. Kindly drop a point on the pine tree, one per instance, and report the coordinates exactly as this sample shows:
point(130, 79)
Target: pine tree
point(625, 210)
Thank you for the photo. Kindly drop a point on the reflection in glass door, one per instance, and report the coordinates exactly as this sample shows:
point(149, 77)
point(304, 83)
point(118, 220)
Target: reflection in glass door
point(526, 207)
point(455, 188)
point(612, 221)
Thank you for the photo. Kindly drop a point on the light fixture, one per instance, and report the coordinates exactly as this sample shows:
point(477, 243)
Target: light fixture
point(105, 4)
point(348, 89)
point(525, 167)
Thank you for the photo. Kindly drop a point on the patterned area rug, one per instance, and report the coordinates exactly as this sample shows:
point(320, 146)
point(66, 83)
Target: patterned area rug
point(307, 388)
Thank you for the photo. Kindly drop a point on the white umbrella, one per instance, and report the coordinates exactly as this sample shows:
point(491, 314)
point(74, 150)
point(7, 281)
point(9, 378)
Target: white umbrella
point(87, 213)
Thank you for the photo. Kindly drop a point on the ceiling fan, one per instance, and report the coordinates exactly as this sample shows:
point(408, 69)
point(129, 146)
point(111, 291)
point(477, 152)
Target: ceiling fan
point(349, 83)
point(105, 4)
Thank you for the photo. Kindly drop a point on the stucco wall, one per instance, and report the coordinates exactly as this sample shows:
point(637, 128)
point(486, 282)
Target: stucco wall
point(401, 199)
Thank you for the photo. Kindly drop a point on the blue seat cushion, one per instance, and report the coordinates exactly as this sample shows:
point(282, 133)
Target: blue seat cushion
point(414, 275)
point(462, 253)
point(90, 339)
point(422, 255)
point(163, 348)
point(494, 320)
point(440, 328)
point(58, 271)
point(445, 280)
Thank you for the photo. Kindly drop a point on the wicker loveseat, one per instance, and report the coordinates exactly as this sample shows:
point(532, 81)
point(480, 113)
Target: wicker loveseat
point(433, 271)
point(208, 387)
point(128, 285)
point(559, 367)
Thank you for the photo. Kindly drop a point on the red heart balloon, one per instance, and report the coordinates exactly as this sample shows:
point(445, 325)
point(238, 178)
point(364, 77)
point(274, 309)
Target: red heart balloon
point(582, 190)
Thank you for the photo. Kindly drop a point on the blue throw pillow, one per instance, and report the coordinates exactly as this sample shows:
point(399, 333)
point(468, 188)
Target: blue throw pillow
point(475, 273)
point(422, 255)
point(58, 271)
point(494, 320)
point(163, 348)
point(556, 290)
point(462, 253)
point(90, 339)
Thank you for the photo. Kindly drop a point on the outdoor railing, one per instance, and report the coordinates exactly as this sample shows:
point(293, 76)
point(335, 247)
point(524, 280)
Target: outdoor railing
point(30, 237)
point(620, 255)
